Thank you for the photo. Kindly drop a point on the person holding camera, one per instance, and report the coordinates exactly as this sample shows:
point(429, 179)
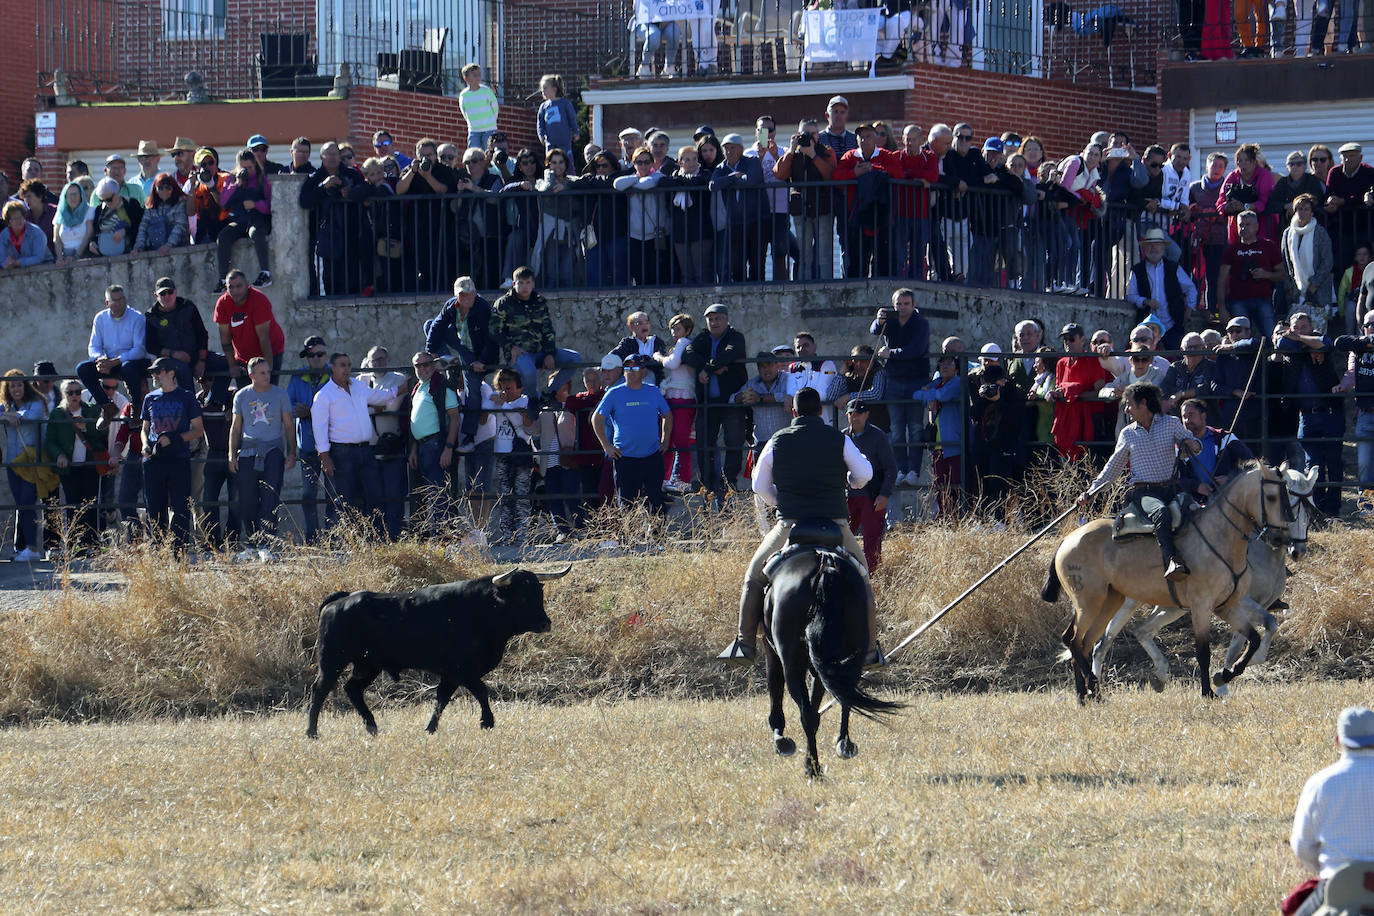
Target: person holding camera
point(171, 418)
point(1247, 188)
point(204, 190)
point(424, 235)
point(246, 200)
point(806, 164)
point(326, 193)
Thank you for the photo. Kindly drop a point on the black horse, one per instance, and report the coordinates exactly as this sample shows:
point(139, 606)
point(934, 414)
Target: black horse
point(815, 619)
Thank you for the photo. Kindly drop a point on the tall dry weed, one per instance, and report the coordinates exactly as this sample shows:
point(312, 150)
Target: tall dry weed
point(640, 618)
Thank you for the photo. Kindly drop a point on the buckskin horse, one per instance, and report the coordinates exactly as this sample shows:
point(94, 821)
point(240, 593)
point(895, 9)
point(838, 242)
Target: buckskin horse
point(815, 619)
point(1100, 574)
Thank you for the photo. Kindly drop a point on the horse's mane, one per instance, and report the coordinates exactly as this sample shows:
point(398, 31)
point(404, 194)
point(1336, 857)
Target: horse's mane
point(1243, 468)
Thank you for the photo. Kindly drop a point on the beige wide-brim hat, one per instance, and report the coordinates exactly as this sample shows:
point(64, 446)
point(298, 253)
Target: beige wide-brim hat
point(148, 148)
point(182, 143)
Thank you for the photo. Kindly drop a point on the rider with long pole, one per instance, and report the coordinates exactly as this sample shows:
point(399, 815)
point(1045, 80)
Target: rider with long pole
point(803, 470)
point(1148, 445)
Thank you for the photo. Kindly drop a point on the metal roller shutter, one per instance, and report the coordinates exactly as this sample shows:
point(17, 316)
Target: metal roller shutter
point(1279, 129)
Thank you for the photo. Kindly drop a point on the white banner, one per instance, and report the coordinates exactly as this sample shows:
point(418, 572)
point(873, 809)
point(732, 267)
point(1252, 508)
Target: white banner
point(841, 35)
point(647, 11)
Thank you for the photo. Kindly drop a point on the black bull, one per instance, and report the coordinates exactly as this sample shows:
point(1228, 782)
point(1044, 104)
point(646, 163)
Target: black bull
point(457, 631)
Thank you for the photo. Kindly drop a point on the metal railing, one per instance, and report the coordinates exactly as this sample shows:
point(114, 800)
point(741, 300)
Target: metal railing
point(1253, 31)
point(131, 50)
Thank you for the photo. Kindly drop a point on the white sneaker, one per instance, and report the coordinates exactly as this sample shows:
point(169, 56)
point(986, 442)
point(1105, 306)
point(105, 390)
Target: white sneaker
point(28, 555)
point(265, 556)
point(646, 71)
point(248, 555)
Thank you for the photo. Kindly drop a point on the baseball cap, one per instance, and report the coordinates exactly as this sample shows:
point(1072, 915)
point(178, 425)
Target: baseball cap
point(163, 364)
point(991, 348)
point(164, 283)
point(705, 130)
point(1240, 321)
point(611, 361)
point(1070, 330)
point(464, 285)
point(311, 342)
point(732, 138)
point(256, 140)
point(113, 157)
point(857, 405)
point(45, 368)
point(636, 361)
point(993, 143)
point(1355, 727)
point(837, 100)
point(715, 307)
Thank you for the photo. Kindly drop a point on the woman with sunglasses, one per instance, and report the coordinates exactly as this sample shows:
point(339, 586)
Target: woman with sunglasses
point(72, 443)
point(164, 225)
point(247, 201)
point(606, 213)
point(649, 224)
point(521, 213)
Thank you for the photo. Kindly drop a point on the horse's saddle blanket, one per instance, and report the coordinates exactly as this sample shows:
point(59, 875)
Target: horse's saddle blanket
point(1131, 523)
point(792, 550)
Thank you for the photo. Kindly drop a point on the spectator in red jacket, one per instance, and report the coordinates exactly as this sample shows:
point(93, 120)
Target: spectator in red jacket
point(921, 167)
point(868, 202)
point(1075, 378)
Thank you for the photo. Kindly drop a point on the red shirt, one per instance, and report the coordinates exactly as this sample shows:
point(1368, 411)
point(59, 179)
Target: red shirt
point(1242, 258)
point(925, 165)
point(243, 321)
point(584, 404)
point(883, 160)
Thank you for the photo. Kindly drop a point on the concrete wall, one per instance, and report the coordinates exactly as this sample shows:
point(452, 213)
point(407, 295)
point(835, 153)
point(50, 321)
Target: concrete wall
point(49, 309)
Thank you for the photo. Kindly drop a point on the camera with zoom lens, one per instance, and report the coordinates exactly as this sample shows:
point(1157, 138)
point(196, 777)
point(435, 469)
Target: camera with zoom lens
point(426, 163)
point(987, 391)
point(207, 175)
point(1348, 343)
point(801, 141)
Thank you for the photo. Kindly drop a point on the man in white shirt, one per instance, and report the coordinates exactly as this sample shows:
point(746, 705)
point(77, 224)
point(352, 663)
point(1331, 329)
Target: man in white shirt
point(809, 372)
point(387, 442)
point(343, 436)
point(1332, 826)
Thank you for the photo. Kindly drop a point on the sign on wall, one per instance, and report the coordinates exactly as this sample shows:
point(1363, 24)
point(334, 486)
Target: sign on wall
point(45, 129)
point(647, 11)
point(1226, 125)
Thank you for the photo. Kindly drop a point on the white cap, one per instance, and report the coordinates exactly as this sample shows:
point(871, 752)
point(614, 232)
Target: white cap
point(611, 361)
point(991, 348)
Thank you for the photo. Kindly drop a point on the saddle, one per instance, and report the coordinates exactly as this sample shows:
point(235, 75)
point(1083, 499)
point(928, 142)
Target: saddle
point(813, 535)
point(1130, 523)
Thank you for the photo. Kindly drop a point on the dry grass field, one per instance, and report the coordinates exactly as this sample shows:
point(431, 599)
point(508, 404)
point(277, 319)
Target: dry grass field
point(154, 758)
point(977, 803)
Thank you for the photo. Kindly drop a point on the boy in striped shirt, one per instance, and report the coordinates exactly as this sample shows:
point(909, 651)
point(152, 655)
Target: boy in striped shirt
point(479, 107)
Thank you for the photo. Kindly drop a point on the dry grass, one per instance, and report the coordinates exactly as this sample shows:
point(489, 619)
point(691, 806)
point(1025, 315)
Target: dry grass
point(980, 803)
point(221, 637)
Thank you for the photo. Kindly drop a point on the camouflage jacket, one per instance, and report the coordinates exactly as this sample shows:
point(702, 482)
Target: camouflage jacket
point(523, 323)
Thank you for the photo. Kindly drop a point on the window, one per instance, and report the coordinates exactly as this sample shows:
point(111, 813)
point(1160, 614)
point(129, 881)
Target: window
point(191, 20)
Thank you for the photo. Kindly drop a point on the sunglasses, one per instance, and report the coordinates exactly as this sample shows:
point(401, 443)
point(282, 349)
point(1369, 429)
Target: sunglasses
point(964, 137)
point(73, 392)
point(382, 143)
point(114, 387)
point(166, 292)
point(318, 354)
point(423, 364)
point(1321, 158)
point(1141, 359)
point(1154, 165)
point(1368, 324)
point(448, 158)
point(644, 162)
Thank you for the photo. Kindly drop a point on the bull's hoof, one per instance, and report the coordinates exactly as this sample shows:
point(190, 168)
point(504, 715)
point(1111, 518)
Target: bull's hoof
point(372, 728)
point(814, 769)
point(432, 727)
point(312, 734)
point(1156, 683)
point(785, 747)
point(846, 749)
point(488, 723)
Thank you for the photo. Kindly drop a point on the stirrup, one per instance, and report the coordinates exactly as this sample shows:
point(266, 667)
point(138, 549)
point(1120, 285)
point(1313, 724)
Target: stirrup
point(876, 658)
point(738, 653)
point(1177, 570)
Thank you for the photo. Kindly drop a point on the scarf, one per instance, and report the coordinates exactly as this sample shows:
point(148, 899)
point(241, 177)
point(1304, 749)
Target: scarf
point(72, 217)
point(1302, 253)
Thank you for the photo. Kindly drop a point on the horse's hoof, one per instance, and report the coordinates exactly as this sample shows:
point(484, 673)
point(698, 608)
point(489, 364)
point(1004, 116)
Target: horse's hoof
point(846, 748)
point(785, 747)
point(1156, 683)
point(1222, 691)
point(1222, 678)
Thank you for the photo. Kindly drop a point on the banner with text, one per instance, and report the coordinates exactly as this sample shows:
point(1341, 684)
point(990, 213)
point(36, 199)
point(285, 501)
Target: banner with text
point(837, 36)
point(650, 11)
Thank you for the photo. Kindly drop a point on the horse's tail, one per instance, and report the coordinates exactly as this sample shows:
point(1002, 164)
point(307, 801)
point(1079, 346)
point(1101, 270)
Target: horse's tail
point(826, 633)
point(1049, 592)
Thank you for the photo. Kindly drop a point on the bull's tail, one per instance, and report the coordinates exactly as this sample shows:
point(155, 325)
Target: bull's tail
point(826, 639)
point(1049, 592)
point(333, 597)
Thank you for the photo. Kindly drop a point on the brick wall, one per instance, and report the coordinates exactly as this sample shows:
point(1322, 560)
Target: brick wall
point(410, 116)
point(16, 94)
point(1063, 115)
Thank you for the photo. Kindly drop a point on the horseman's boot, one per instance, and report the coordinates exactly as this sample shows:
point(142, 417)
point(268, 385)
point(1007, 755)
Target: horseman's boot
point(743, 649)
point(1174, 568)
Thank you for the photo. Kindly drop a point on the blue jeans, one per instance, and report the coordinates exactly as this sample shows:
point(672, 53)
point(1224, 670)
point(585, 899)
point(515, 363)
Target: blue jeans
point(434, 481)
point(259, 492)
point(908, 418)
point(26, 520)
point(913, 240)
point(133, 374)
point(608, 264)
point(167, 487)
point(1259, 311)
point(560, 486)
point(1328, 423)
point(357, 484)
point(393, 473)
point(980, 258)
point(1364, 446)
point(310, 497)
point(477, 139)
point(130, 489)
point(652, 35)
point(563, 358)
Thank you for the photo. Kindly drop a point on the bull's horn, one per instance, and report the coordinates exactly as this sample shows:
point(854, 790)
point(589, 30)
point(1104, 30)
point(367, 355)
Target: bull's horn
point(545, 577)
point(505, 577)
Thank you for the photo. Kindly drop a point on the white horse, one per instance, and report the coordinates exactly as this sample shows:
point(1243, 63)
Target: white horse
point(1268, 578)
